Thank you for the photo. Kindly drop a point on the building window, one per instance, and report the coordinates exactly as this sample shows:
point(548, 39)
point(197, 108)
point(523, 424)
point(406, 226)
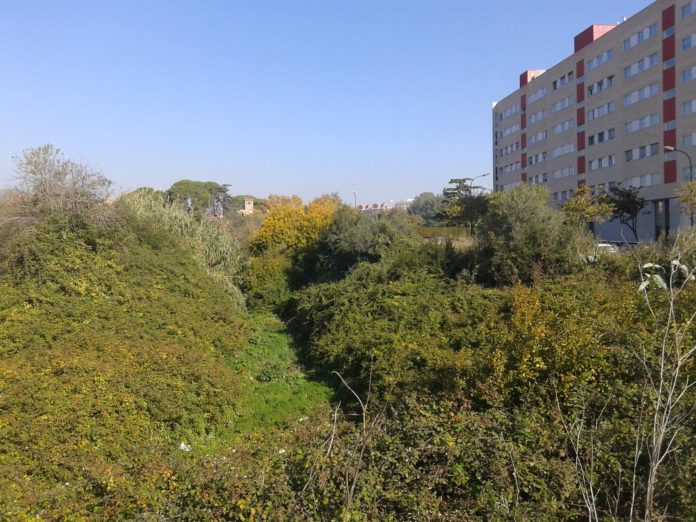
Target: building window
point(511, 130)
point(514, 109)
point(563, 80)
point(600, 59)
point(563, 126)
point(564, 172)
point(563, 104)
point(640, 66)
point(689, 140)
point(641, 94)
point(688, 107)
point(688, 9)
point(601, 111)
point(643, 152)
point(689, 41)
point(640, 37)
point(600, 137)
point(689, 74)
point(537, 117)
point(538, 95)
point(540, 157)
point(644, 181)
point(537, 137)
point(563, 149)
point(601, 85)
point(601, 163)
point(641, 123)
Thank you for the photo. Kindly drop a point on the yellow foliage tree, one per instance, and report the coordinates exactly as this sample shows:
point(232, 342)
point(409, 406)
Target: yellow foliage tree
point(292, 226)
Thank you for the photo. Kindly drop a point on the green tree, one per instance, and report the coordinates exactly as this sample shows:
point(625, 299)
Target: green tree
point(586, 208)
point(202, 194)
point(427, 205)
point(465, 202)
point(627, 205)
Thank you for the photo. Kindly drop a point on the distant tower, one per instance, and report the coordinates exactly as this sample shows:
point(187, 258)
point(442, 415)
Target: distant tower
point(248, 208)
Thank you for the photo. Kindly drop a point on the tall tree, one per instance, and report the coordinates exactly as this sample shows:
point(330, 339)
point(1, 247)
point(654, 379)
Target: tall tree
point(465, 202)
point(627, 206)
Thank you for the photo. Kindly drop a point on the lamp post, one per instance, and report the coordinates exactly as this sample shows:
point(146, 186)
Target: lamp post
point(355, 200)
point(668, 148)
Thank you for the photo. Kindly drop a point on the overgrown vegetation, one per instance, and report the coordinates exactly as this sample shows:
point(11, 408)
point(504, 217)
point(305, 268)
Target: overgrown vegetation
point(524, 377)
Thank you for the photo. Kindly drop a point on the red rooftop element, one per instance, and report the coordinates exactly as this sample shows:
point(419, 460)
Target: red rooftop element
point(528, 75)
point(590, 34)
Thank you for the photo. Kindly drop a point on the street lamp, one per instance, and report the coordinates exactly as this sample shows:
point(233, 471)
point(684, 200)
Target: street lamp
point(355, 200)
point(668, 148)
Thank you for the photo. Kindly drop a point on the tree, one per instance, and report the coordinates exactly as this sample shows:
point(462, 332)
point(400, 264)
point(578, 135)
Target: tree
point(627, 205)
point(427, 205)
point(47, 183)
point(203, 194)
point(465, 202)
point(586, 208)
point(522, 237)
point(687, 196)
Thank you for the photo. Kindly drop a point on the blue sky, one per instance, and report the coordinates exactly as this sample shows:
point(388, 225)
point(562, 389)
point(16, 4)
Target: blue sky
point(385, 98)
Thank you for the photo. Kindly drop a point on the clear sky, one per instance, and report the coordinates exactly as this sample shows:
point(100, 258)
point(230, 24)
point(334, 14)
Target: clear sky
point(386, 98)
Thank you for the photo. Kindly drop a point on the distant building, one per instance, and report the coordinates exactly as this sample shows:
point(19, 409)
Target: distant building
point(604, 115)
point(248, 209)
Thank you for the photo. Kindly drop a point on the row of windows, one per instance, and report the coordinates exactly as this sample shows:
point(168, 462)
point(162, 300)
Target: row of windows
point(537, 158)
point(512, 167)
point(689, 41)
point(601, 85)
point(564, 126)
point(644, 181)
point(537, 117)
point(510, 130)
point(642, 152)
point(513, 109)
point(600, 59)
point(514, 147)
point(563, 104)
point(563, 80)
point(640, 66)
point(600, 137)
point(538, 95)
point(601, 163)
point(563, 149)
point(564, 172)
point(641, 123)
point(641, 94)
point(564, 195)
point(601, 111)
point(537, 137)
point(538, 179)
point(640, 37)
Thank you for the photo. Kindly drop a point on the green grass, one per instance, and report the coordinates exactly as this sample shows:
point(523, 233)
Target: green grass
point(277, 396)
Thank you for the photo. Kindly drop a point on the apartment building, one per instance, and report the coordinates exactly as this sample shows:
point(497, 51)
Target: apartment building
point(603, 116)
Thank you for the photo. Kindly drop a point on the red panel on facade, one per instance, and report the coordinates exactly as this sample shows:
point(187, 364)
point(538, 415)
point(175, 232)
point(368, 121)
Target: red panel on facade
point(523, 120)
point(580, 91)
point(523, 140)
point(524, 79)
point(670, 138)
point(668, 17)
point(669, 79)
point(668, 48)
point(670, 171)
point(524, 177)
point(523, 102)
point(581, 140)
point(581, 165)
point(581, 117)
point(524, 160)
point(669, 109)
point(580, 69)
